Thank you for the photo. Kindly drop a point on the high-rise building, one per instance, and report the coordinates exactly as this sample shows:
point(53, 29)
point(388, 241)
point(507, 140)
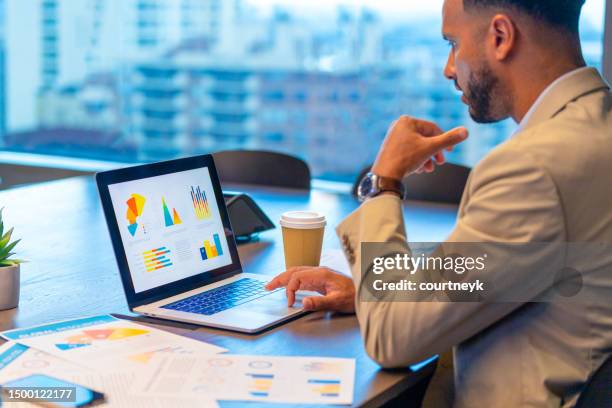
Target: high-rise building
point(50, 47)
point(177, 77)
point(191, 105)
point(85, 46)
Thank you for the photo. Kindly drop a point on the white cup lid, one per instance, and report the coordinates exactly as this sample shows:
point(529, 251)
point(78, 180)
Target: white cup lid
point(302, 220)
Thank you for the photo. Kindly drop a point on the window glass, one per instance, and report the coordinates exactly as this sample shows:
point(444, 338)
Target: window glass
point(144, 80)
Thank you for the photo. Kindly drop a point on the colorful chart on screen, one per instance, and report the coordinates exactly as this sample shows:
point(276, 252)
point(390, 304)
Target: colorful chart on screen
point(135, 206)
point(200, 203)
point(170, 220)
point(173, 229)
point(158, 258)
point(212, 248)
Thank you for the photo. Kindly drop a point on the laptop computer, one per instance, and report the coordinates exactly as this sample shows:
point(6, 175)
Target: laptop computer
point(176, 249)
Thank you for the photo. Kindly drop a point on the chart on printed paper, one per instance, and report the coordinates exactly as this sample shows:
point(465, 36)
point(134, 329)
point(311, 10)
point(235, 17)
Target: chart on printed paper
point(19, 361)
point(290, 380)
point(105, 342)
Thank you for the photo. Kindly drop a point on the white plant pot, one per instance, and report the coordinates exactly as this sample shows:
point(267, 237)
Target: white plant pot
point(9, 287)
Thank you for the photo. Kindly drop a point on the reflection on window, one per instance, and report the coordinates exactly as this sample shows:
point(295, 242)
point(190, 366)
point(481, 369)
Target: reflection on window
point(142, 80)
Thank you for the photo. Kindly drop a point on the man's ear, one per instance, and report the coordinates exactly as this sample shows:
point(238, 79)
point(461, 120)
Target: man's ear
point(503, 36)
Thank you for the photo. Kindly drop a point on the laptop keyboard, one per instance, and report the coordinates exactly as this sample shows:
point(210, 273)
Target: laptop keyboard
point(221, 298)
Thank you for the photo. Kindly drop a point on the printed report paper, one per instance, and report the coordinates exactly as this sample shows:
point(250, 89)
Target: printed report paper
point(105, 342)
point(289, 380)
point(18, 361)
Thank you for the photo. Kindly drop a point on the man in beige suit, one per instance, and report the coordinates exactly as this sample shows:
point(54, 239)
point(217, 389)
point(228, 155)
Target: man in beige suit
point(551, 182)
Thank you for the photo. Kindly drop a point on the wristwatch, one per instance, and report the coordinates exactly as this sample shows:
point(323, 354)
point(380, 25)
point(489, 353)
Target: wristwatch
point(372, 185)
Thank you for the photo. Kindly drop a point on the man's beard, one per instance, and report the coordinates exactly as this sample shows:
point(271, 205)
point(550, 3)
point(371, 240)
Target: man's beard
point(484, 97)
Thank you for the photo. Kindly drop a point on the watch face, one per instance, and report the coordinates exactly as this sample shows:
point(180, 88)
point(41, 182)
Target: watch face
point(365, 187)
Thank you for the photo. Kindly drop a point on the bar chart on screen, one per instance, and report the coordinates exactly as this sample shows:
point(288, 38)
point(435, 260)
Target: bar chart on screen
point(213, 249)
point(155, 259)
point(170, 220)
point(200, 203)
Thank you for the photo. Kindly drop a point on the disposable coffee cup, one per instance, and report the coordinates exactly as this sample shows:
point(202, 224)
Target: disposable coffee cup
point(302, 237)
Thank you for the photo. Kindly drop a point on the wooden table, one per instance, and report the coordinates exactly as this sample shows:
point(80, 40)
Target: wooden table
point(72, 273)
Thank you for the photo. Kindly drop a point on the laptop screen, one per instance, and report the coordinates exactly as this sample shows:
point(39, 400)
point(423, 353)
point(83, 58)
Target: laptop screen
point(170, 227)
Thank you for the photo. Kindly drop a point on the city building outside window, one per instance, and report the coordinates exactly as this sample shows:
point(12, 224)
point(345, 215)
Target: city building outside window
point(147, 80)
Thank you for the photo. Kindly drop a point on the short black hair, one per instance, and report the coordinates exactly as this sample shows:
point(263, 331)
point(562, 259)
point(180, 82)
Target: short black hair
point(563, 14)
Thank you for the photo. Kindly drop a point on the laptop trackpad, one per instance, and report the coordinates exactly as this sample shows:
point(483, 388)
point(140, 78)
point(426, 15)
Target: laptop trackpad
point(274, 304)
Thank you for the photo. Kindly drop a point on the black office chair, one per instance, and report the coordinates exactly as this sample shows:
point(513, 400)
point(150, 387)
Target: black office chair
point(262, 168)
point(598, 390)
point(444, 185)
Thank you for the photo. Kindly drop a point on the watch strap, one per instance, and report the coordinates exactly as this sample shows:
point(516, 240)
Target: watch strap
point(388, 184)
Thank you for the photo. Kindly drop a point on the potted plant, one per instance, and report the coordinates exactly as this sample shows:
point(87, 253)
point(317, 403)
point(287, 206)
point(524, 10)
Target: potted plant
point(9, 269)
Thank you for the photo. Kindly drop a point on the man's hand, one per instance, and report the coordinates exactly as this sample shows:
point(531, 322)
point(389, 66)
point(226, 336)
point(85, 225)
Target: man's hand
point(338, 289)
point(414, 145)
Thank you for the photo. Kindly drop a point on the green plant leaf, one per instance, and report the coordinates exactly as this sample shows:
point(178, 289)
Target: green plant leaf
point(1, 222)
point(11, 262)
point(6, 238)
point(4, 253)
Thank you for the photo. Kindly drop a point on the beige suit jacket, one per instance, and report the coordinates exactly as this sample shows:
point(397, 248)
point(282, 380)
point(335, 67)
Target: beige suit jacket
point(551, 182)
